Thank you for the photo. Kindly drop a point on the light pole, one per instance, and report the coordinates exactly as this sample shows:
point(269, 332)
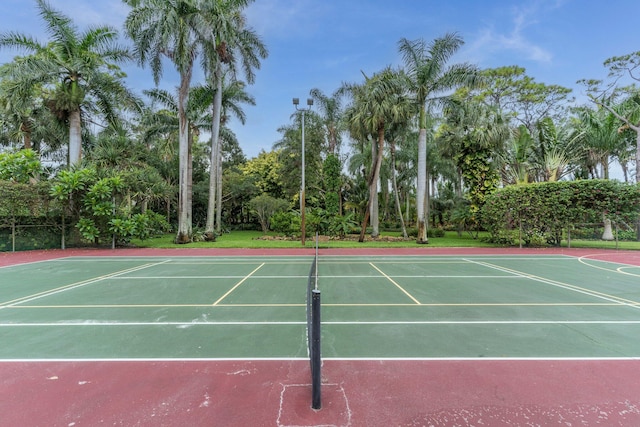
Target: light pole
point(296, 102)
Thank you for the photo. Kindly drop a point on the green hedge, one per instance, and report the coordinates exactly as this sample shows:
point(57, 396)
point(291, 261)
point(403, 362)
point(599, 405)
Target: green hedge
point(25, 200)
point(540, 212)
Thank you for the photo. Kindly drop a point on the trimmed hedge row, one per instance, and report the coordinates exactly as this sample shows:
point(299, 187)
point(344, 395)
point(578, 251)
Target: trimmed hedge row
point(542, 211)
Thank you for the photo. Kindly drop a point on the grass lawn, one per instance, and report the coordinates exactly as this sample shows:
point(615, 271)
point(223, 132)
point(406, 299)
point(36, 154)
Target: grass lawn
point(252, 239)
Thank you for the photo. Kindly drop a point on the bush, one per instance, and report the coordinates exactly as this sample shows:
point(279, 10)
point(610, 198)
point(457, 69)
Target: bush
point(502, 237)
point(287, 223)
point(627, 235)
point(157, 224)
point(342, 225)
point(433, 232)
point(542, 211)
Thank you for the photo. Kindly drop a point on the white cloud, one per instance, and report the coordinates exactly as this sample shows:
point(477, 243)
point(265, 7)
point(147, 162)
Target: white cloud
point(512, 39)
point(284, 18)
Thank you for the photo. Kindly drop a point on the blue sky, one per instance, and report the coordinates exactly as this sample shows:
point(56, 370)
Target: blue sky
point(323, 43)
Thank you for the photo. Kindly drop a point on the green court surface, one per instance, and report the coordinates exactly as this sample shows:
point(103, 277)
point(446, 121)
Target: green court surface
point(405, 307)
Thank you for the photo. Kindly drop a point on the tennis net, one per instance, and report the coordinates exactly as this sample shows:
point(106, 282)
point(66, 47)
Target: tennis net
point(313, 331)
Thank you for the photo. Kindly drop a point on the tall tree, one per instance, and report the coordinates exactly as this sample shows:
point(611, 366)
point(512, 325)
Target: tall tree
point(557, 148)
point(621, 67)
point(330, 109)
point(232, 98)
point(601, 136)
point(81, 67)
point(377, 104)
point(26, 119)
point(519, 96)
point(230, 45)
point(431, 78)
point(473, 134)
point(171, 28)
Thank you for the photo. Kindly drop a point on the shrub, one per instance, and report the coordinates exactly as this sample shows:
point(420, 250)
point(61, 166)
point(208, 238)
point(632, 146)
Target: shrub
point(287, 223)
point(542, 211)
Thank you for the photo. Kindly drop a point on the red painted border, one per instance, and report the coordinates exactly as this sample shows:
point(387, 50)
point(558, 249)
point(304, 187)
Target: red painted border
point(624, 257)
point(355, 393)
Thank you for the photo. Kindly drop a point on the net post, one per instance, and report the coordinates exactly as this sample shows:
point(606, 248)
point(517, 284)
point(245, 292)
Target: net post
point(316, 361)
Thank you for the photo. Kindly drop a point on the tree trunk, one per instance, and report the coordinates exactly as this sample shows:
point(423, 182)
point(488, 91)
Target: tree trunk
point(373, 193)
point(637, 130)
point(364, 222)
point(215, 148)
point(26, 135)
point(422, 187)
point(373, 186)
point(185, 226)
point(608, 231)
point(219, 192)
point(395, 189)
point(75, 138)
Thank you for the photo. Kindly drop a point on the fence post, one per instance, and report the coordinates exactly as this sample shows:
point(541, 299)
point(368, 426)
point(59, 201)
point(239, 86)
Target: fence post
point(13, 234)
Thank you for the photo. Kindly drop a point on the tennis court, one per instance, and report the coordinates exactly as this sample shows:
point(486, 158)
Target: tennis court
point(471, 337)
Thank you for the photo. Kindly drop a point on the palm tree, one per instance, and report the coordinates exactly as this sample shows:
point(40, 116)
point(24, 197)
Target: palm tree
point(25, 116)
point(398, 136)
point(431, 78)
point(515, 159)
point(330, 108)
point(228, 45)
point(81, 68)
point(378, 104)
point(171, 28)
point(557, 148)
point(233, 95)
point(473, 133)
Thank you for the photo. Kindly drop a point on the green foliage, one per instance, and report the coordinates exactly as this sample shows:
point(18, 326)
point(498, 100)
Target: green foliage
point(264, 206)
point(24, 200)
point(88, 229)
point(68, 183)
point(341, 225)
point(266, 172)
point(20, 166)
point(473, 133)
point(435, 232)
point(287, 223)
point(156, 224)
point(331, 169)
point(540, 212)
point(100, 208)
point(318, 221)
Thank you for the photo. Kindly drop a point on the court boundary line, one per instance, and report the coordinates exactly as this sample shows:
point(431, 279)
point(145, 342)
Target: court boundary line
point(338, 359)
point(567, 286)
point(75, 285)
point(617, 270)
point(238, 284)
point(461, 304)
point(395, 283)
point(328, 323)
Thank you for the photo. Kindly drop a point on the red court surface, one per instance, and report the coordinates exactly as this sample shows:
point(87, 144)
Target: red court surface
point(355, 393)
point(465, 392)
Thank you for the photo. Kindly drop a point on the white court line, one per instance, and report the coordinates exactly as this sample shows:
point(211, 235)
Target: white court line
point(116, 323)
point(329, 323)
point(592, 293)
point(71, 286)
point(238, 284)
point(395, 283)
point(618, 270)
point(242, 276)
point(337, 359)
